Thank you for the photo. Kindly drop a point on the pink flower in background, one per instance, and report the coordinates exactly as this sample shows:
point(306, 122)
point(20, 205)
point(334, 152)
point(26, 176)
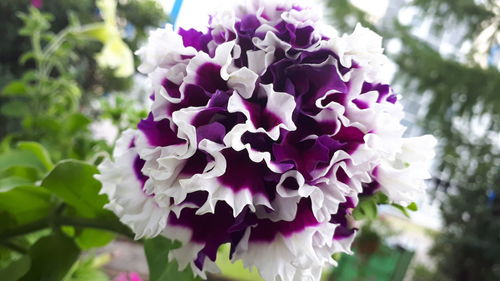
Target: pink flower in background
point(131, 276)
point(37, 3)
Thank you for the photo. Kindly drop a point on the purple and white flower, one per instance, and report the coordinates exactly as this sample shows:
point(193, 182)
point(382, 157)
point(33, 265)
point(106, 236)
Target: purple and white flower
point(263, 131)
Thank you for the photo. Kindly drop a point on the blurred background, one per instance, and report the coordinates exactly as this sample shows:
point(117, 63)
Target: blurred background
point(68, 81)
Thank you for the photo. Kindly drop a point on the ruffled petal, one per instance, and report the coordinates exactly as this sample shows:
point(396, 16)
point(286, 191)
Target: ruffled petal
point(265, 131)
point(164, 49)
point(123, 183)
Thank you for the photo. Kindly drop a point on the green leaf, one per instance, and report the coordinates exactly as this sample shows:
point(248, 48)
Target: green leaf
point(87, 269)
point(14, 108)
point(412, 207)
point(160, 269)
point(51, 258)
point(28, 173)
point(91, 238)
point(381, 198)
point(26, 203)
point(7, 221)
point(6, 143)
point(366, 209)
point(76, 122)
point(19, 158)
point(15, 88)
point(73, 181)
point(88, 274)
point(26, 57)
point(11, 182)
point(16, 269)
point(39, 151)
point(235, 270)
point(45, 123)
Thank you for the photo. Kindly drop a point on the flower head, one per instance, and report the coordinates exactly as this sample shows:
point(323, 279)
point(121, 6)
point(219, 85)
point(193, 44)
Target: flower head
point(124, 276)
point(37, 3)
point(264, 130)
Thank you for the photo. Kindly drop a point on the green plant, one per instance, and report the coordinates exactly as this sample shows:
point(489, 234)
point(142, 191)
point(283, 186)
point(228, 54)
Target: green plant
point(56, 211)
point(44, 104)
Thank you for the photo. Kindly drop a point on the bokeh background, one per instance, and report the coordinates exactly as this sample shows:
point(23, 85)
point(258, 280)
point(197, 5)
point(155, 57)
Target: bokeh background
point(67, 81)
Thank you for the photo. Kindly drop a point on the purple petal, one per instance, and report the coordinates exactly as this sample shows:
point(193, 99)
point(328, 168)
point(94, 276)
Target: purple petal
point(171, 88)
point(211, 230)
point(195, 39)
point(208, 77)
point(138, 165)
point(266, 230)
point(158, 133)
point(242, 173)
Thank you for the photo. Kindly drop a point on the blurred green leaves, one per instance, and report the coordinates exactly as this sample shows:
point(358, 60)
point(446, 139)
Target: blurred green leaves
point(20, 158)
point(87, 269)
point(51, 258)
point(26, 203)
point(50, 208)
point(16, 269)
point(62, 199)
point(39, 151)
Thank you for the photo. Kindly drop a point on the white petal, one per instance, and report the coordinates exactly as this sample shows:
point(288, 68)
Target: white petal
point(243, 81)
point(278, 103)
point(128, 200)
point(300, 256)
point(164, 48)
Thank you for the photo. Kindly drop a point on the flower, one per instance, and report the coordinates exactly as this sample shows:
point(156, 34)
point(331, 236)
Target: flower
point(124, 276)
point(37, 3)
point(263, 132)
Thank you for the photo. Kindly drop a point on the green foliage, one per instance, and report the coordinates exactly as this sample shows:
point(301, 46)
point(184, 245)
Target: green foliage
point(36, 203)
point(160, 269)
point(60, 201)
point(49, 99)
point(446, 12)
point(423, 273)
point(73, 182)
point(50, 206)
point(39, 151)
point(62, 251)
point(138, 14)
point(43, 104)
point(464, 94)
point(16, 269)
point(22, 158)
point(367, 207)
point(88, 269)
point(88, 238)
point(114, 109)
point(237, 269)
point(464, 113)
point(346, 15)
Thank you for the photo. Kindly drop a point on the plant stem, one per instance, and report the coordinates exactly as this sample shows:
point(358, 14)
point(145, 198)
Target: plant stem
point(25, 229)
point(14, 247)
point(90, 223)
point(66, 221)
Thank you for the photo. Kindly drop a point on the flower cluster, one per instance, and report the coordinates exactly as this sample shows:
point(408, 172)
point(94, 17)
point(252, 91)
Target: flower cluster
point(263, 132)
